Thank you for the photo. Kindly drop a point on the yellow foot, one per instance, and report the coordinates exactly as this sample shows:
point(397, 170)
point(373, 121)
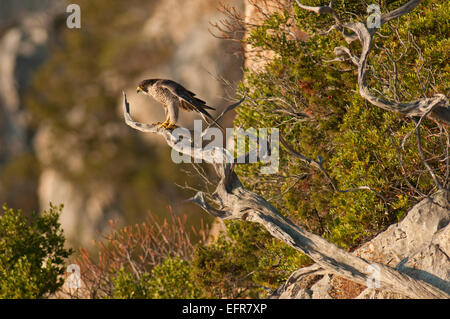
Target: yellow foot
point(164, 124)
point(156, 123)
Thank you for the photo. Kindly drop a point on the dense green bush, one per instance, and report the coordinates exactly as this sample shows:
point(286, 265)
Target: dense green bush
point(243, 262)
point(172, 278)
point(32, 258)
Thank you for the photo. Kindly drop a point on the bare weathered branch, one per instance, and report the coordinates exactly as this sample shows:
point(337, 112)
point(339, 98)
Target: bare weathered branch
point(328, 9)
point(397, 13)
point(319, 10)
point(436, 107)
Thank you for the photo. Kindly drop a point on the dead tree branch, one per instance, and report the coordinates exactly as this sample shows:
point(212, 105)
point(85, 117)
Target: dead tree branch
point(436, 107)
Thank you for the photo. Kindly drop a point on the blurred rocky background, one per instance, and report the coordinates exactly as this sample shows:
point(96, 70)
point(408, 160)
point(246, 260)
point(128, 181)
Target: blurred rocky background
point(62, 138)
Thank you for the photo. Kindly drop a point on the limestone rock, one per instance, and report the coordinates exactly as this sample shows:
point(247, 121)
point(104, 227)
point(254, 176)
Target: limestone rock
point(419, 246)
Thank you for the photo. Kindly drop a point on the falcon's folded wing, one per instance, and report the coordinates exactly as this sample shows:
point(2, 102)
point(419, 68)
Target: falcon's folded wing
point(187, 98)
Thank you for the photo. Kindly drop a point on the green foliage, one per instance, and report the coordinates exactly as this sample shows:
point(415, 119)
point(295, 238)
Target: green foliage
point(172, 278)
point(243, 261)
point(33, 254)
point(127, 286)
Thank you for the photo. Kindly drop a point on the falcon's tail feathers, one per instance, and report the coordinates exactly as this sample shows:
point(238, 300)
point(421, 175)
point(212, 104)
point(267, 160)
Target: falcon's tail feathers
point(215, 122)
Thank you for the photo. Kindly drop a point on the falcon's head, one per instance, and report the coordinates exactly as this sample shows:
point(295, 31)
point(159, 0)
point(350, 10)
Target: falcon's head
point(144, 85)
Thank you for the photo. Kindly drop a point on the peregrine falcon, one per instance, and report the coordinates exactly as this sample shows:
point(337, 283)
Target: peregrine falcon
point(173, 96)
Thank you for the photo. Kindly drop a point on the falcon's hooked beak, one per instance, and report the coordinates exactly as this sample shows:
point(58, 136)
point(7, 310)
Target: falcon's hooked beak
point(139, 89)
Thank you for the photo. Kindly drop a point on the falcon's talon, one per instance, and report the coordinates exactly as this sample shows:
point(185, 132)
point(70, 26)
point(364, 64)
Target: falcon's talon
point(164, 124)
point(171, 126)
point(156, 123)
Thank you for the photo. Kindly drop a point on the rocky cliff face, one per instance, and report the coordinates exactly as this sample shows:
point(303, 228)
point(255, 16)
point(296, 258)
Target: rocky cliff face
point(24, 34)
point(25, 29)
point(256, 12)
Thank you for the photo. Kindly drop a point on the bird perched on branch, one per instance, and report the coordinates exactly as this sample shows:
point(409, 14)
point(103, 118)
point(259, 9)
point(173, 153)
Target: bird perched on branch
point(173, 96)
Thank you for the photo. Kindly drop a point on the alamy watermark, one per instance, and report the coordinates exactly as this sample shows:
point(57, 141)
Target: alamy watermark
point(374, 19)
point(73, 281)
point(251, 146)
point(73, 21)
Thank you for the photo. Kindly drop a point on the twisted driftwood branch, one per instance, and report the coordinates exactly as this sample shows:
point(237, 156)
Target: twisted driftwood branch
point(436, 107)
